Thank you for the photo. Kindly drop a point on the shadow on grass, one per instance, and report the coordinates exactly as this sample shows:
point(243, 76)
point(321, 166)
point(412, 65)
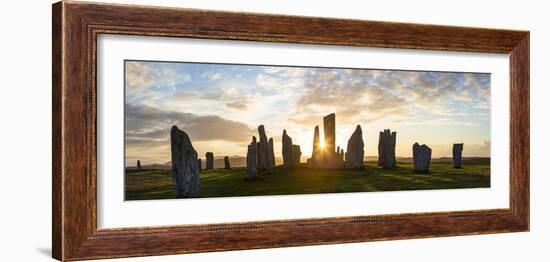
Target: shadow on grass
point(157, 184)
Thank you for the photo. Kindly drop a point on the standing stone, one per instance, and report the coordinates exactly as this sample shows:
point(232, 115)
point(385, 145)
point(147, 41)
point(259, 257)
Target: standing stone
point(355, 152)
point(330, 160)
point(422, 155)
point(457, 155)
point(272, 162)
point(185, 170)
point(340, 154)
point(386, 148)
point(380, 138)
point(226, 162)
point(251, 154)
point(199, 162)
point(296, 155)
point(316, 153)
point(329, 126)
point(263, 162)
point(288, 161)
point(209, 160)
point(138, 165)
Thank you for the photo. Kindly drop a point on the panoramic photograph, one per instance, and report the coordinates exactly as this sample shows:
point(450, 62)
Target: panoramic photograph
point(198, 130)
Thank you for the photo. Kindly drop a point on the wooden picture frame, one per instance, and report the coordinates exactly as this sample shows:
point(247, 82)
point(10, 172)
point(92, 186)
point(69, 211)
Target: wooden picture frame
point(76, 26)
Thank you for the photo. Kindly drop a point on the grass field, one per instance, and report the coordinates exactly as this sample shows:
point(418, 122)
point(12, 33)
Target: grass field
point(157, 184)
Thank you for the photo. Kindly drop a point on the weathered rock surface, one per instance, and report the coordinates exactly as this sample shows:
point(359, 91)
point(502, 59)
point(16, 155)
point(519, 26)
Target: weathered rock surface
point(226, 162)
point(288, 161)
point(262, 148)
point(296, 155)
point(251, 154)
point(316, 154)
point(330, 157)
point(386, 149)
point(457, 155)
point(138, 165)
point(209, 160)
point(355, 152)
point(199, 162)
point(271, 152)
point(329, 127)
point(340, 154)
point(185, 169)
point(422, 155)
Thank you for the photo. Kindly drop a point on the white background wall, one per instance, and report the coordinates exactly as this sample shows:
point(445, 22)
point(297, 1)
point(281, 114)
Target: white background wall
point(25, 132)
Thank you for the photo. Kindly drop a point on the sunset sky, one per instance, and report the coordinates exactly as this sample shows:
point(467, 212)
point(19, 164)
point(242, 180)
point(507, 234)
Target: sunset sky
point(220, 107)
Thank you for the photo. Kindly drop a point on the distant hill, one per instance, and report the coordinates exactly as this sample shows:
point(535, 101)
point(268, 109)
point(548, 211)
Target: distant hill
point(240, 161)
point(234, 161)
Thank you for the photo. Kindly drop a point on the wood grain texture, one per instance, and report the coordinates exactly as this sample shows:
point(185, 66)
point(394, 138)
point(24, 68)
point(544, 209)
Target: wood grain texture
point(57, 195)
point(76, 27)
point(519, 129)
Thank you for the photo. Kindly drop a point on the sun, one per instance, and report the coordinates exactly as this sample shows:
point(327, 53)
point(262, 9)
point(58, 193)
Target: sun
point(322, 144)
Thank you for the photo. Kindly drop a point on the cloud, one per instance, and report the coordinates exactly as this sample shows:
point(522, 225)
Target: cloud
point(272, 69)
point(446, 111)
point(241, 105)
point(426, 88)
point(328, 88)
point(307, 120)
point(212, 75)
point(382, 101)
point(138, 75)
point(220, 106)
point(439, 122)
point(151, 79)
point(287, 72)
point(358, 100)
point(149, 125)
point(223, 99)
point(394, 96)
point(485, 147)
point(283, 80)
point(278, 84)
point(430, 88)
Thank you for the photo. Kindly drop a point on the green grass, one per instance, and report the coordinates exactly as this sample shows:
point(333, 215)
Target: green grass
point(157, 184)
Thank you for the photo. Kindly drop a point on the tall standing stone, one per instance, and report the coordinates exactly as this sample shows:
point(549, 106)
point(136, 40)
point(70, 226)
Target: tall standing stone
point(251, 154)
point(138, 165)
point(288, 160)
point(199, 163)
point(296, 155)
point(209, 160)
point(457, 155)
point(330, 160)
point(342, 155)
point(422, 155)
point(329, 127)
point(355, 152)
point(380, 138)
point(226, 162)
point(263, 150)
point(386, 148)
point(316, 153)
point(185, 170)
point(272, 162)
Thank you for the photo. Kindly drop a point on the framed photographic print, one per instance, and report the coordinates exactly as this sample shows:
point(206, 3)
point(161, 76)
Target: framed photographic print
point(181, 130)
